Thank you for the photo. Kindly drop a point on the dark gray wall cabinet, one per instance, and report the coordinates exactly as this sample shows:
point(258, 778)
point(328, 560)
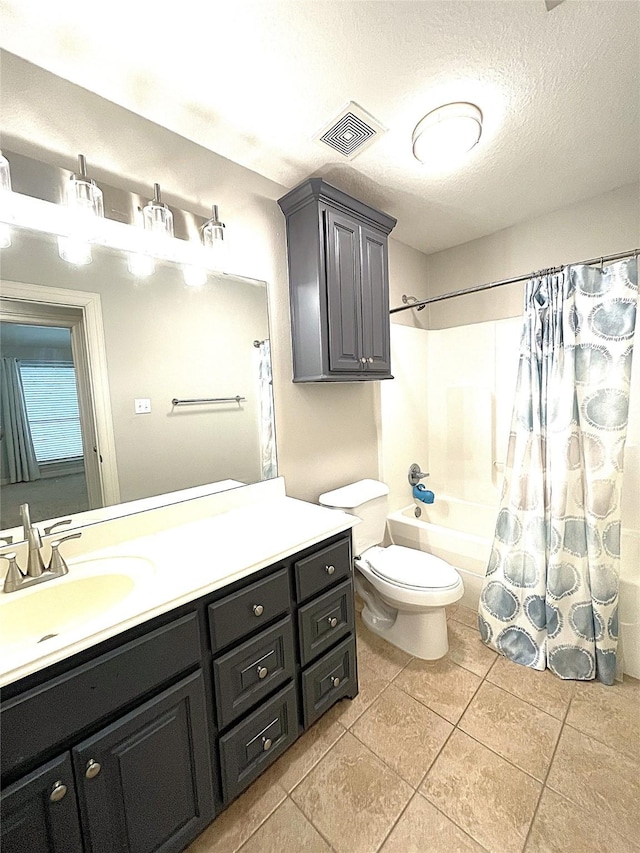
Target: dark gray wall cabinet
point(133, 746)
point(338, 285)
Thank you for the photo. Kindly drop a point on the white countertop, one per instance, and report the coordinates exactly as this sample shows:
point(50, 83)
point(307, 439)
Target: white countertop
point(180, 564)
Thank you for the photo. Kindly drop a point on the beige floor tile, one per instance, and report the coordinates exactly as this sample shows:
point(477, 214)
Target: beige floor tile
point(600, 780)
point(467, 649)
point(517, 731)
point(370, 686)
point(467, 616)
point(450, 610)
point(560, 827)
point(233, 827)
point(403, 732)
point(379, 655)
point(442, 685)
point(609, 714)
point(286, 831)
point(489, 798)
point(542, 689)
point(305, 753)
point(422, 827)
point(352, 797)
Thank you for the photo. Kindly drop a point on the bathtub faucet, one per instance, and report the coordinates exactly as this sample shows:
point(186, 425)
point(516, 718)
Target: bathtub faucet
point(415, 474)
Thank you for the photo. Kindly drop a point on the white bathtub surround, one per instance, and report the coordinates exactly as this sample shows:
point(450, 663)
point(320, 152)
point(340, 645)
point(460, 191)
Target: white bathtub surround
point(550, 598)
point(181, 552)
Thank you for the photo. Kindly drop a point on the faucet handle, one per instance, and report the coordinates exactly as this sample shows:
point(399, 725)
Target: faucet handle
point(57, 565)
point(14, 577)
point(415, 474)
point(52, 527)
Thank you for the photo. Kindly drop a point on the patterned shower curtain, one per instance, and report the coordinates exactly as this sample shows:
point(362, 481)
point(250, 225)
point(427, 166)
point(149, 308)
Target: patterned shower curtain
point(268, 461)
point(550, 596)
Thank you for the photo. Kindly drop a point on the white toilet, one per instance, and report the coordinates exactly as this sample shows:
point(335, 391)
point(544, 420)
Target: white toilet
point(404, 591)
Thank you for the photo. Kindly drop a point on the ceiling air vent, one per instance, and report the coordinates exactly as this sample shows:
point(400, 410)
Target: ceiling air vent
point(351, 131)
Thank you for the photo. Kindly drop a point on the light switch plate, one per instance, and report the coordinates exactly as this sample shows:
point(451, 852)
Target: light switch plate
point(142, 405)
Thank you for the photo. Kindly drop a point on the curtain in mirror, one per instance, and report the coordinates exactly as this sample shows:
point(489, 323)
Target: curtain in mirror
point(550, 596)
point(18, 455)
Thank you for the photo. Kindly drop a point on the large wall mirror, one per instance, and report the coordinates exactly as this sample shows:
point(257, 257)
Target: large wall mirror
point(164, 341)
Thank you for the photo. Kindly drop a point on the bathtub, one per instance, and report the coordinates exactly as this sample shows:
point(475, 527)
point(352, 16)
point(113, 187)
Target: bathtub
point(457, 531)
point(461, 533)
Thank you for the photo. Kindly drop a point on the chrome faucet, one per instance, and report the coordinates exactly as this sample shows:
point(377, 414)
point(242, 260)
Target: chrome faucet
point(35, 565)
point(35, 572)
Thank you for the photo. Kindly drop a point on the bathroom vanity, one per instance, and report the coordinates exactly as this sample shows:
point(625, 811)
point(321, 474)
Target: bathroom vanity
point(135, 737)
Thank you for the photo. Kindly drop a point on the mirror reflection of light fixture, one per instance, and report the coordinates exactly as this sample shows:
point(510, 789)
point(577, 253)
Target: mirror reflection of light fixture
point(140, 263)
point(85, 201)
point(447, 133)
point(5, 187)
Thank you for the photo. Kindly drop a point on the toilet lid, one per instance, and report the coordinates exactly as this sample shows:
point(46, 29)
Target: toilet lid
point(411, 568)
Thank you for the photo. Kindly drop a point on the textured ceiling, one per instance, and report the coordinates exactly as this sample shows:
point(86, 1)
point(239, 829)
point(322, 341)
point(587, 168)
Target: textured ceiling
point(255, 81)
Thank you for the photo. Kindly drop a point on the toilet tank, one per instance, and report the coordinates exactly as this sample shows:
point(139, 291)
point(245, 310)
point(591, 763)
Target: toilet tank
point(368, 500)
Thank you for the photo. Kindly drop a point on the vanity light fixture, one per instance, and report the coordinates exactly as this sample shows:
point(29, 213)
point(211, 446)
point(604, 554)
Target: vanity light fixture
point(447, 133)
point(213, 240)
point(194, 276)
point(158, 219)
point(5, 187)
point(86, 205)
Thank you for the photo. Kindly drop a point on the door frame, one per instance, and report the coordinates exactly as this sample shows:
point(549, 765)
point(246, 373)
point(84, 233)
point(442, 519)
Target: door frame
point(95, 379)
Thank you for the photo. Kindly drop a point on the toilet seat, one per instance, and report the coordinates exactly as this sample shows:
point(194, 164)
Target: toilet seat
point(411, 569)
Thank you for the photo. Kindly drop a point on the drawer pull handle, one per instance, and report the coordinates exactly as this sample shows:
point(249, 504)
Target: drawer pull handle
point(332, 621)
point(263, 672)
point(258, 610)
point(329, 569)
point(92, 769)
point(58, 791)
point(267, 743)
point(335, 681)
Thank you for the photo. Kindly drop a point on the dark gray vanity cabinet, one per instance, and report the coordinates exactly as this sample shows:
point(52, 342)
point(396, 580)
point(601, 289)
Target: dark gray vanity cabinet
point(134, 745)
point(338, 284)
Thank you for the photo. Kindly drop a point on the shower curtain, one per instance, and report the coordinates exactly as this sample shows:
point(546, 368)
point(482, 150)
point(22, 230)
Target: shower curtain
point(267, 419)
point(550, 595)
point(18, 453)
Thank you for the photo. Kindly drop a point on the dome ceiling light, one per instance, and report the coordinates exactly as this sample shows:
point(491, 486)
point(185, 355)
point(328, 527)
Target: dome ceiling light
point(447, 133)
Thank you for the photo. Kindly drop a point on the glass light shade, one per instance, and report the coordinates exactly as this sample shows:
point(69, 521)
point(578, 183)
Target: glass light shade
point(157, 217)
point(194, 276)
point(5, 187)
point(84, 195)
point(140, 264)
point(446, 133)
point(75, 251)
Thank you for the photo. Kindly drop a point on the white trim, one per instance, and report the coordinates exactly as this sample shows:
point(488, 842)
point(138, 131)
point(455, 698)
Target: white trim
point(91, 306)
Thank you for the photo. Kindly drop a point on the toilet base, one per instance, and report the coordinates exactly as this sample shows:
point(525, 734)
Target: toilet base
point(423, 634)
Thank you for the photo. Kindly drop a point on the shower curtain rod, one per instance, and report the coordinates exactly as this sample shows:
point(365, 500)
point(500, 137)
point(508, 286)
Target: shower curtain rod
point(599, 260)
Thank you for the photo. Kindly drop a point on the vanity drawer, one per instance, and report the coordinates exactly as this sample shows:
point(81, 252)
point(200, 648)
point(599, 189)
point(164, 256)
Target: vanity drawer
point(324, 620)
point(322, 569)
point(244, 676)
point(256, 742)
point(248, 610)
point(48, 715)
point(329, 679)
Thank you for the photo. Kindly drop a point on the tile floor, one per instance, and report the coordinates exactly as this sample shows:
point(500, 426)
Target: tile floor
point(469, 753)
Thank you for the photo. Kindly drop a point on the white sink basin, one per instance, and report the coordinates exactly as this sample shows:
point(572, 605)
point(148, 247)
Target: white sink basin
point(90, 591)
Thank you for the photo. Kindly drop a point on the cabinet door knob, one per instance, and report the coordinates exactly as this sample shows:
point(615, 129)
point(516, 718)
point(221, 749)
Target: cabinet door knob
point(329, 569)
point(258, 610)
point(92, 769)
point(370, 360)
point(335, 681)
point(266, 743)
point(263, 672)
point(332, 621)
point(363, 360)
point(58, 791)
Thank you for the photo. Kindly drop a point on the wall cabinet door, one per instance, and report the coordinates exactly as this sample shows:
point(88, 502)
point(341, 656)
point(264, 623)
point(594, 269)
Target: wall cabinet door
point(374, 284)
point(40, 813)
point(146, 784)
point(343, 291)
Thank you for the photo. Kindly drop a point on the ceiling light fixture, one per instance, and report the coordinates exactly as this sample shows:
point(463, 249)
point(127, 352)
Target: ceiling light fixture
point(447, 133)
